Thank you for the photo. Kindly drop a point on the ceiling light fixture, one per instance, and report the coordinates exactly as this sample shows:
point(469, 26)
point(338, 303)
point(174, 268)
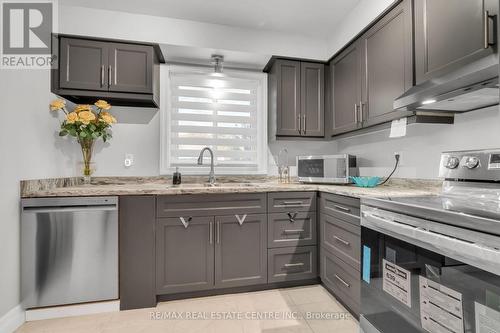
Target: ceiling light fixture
point(217, 61)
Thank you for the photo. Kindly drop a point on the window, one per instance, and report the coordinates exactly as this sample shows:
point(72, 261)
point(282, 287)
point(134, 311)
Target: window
point(226, 113)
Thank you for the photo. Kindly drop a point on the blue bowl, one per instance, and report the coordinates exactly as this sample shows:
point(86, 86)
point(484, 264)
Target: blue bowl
point(366, 181)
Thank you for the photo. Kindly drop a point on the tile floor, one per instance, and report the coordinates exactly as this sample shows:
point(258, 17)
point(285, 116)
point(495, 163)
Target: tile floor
point(294, 310)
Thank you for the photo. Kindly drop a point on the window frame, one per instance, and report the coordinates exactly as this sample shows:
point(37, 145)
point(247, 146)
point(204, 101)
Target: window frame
point(165, 121)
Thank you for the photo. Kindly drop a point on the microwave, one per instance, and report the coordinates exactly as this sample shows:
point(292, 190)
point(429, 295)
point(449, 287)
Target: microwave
point(326, 169)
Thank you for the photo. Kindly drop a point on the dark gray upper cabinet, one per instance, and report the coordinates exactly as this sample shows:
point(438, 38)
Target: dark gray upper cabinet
point(184, 254)
point(288, 98)
point(450, 34)
point(387, 65)
point(296, 98)
point(83, 64)
point(240, 250)
point(346, 86)
point(123, 73)
point(312, 101)
point(127, 78)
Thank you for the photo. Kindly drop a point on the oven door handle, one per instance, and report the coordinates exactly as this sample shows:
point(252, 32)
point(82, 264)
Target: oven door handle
point(476, 255)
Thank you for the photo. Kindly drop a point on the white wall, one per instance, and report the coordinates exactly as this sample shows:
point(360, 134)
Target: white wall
point(421, 148)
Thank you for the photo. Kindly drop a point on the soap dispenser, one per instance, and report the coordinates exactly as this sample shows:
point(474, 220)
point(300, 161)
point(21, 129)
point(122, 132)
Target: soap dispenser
point(176, 178)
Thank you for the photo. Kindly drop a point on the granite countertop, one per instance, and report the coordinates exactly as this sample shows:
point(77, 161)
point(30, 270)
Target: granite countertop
point(105, 186)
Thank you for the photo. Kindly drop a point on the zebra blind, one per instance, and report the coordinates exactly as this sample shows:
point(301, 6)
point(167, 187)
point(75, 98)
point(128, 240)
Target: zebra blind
point(216, 112)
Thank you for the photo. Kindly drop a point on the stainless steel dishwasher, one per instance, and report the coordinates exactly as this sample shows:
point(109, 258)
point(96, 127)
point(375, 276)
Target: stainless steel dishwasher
point(69, 250)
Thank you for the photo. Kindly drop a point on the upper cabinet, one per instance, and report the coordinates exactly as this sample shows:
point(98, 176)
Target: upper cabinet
point(371, 72)
point(450, 34)
point(296, 98)
point(345, 70)
point(387, 65)
point(123, 73)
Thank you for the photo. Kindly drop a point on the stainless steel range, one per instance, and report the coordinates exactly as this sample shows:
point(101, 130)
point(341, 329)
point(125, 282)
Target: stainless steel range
point(432, 263)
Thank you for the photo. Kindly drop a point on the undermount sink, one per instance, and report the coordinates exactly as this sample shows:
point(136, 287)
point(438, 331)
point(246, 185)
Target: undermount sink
point(219, 185)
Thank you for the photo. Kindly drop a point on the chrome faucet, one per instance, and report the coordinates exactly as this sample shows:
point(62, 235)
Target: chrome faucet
point(211, 175)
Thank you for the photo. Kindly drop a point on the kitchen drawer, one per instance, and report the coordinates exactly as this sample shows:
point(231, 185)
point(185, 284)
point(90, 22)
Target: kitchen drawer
point(341, 238)
point(210, 204)
point(341, 278)
point(291, 229)
point(284, 202)
point(292, 263)
point(345, 208)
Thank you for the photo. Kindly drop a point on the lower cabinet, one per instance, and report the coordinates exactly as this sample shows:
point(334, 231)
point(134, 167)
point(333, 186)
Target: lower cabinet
point(201, 253)
point(240, 250)
point(184, 254)
point(342, 279)
point(292, 263)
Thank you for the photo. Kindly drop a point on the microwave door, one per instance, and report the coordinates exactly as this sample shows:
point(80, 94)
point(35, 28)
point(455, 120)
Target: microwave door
point(336, 168)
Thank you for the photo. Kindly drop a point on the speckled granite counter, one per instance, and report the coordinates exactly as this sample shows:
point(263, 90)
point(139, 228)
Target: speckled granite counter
point(70, 187)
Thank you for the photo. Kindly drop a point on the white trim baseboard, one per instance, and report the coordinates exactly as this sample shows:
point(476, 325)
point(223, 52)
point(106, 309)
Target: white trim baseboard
point(11, 321)
point(72, 310)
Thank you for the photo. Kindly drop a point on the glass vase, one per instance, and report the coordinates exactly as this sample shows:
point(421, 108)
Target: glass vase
point(87, 167)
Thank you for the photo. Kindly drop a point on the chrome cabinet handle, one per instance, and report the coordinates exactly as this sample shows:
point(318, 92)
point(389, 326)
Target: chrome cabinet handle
point(109, 76)
point(211, 233)
point(299, 264)
point(346, 243)
point(295, 231)
point(292, 216)
point(487, 18)
point(102, 76)
point(292, 203)
point(342, 281)
point(300, 124)
point(241, 219)
point(305, 124)
point(342, 208)
point(218, 232)
point(361, 105)
point(184, 222)
point(356, 120)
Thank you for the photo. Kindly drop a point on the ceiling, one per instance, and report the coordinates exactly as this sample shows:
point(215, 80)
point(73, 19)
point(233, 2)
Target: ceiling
point(315, 18)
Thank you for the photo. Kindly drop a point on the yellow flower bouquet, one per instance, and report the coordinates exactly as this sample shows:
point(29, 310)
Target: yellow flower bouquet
point(86, 123)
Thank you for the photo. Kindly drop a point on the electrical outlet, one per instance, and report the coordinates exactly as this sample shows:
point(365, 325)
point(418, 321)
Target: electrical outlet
point(400, 157)
point(129, 160)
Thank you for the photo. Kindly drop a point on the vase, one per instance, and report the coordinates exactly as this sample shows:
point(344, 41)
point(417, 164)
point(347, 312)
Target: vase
point(87, 169)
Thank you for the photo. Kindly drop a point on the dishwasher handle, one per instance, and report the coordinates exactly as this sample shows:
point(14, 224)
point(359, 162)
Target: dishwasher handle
point(62, 209)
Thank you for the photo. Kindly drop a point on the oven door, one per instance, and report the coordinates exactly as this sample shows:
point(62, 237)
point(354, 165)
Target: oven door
point(420, 276)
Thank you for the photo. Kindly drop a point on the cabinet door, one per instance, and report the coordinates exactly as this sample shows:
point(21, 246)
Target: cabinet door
point(83, 64)
point(130, 68)
point(137, 252)
point(312, 92)
point(184, 254)
point(450, 34)
point(241, 250)
point(288, 98)
point(346, 71)
point(387, 65)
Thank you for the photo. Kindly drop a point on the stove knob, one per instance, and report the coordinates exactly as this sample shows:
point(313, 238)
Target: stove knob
point(472, 162)
point(452, 162)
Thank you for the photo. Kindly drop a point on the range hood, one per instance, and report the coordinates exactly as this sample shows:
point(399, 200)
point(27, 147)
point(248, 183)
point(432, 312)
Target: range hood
point(472, 87)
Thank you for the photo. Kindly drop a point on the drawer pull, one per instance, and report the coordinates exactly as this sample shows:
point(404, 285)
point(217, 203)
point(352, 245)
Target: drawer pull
point(292, 216)
point(241, 219)
point(299, 264)
point(346, 243)
point(296, 231)
point(342, 208)
point(342, 281)
point(184, 222)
